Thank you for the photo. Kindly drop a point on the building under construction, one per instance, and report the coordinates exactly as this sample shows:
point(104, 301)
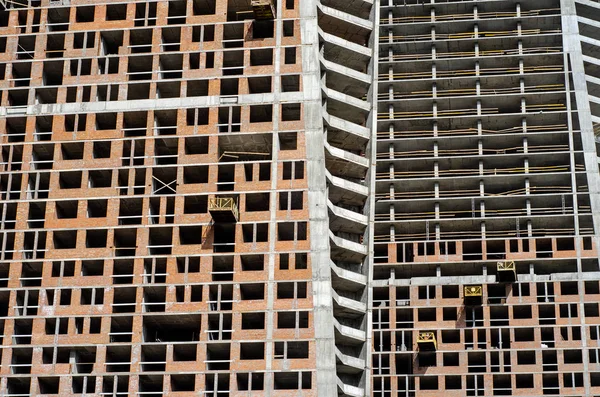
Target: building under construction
point(388, 198)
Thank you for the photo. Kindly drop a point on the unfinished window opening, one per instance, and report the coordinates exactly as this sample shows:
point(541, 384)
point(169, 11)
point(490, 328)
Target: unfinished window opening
point(230, 86)
point(226, 177)
point(224, 237)
point(502, 385)
point(259, 85)
point(284, 261)
point(218, 356)
point(65, 239)
point(450, 314)
point(124, 300)
point(18, 97)
point(204, 7)
point(252, 351)
point(183, 382)
point(450, 359)
point(427, 314)
point(526, 357)
point(66, 209)
point(592, 287)
point(253, 320)
point(566, 310)
point(264, 172)
point(84, 13)
point(524, 335)
point(197, 88)
point(130, 212)
point(229, 119)
point(195, 205)
point(291, 350)
point(171, 38)
point(154, 300)
point(261, 57)
point(198, 116)
point(427, 382)
point(177, 12)
point(522, 312)
point(195, 174)
point(196, 293)
point(101, 149)
point(111, 41)
point(190, 235)
point(263, 29)
point(138, 91)
point(188, 264)
point(194, 61)
point(524, 381)
point(288, 28)
point(290, 83)
point(210, 60)
point(66, 267)
point(100, 178)
point(169, 89)
point(521, 289)
point(70, 179)
point(233, 35)
point(573, 356)
point(426, 292)
point(288, 140)
point(139, 68)
point(196, 145)
point(233, 63)
point(291, 201)
point(261, 113)
point(65, 298)
point(565, 244)
point(573, 379)
point(255, 262)
point(21, 385)
point(253, 291)
point(53, 71)
point(286, 290)
point(222, 268)
point(290, 55)
point(48, 385)
point(252, 381)
point(92, 296)
point(569, 288)
point(106, 121)
point(450, 291)
point(185, 352)
point(165, 151)
point(543, 247)
point(92, 267)
point(140, 40)
point(116, 12)
point(97, 208)
point(301, 261)
point(290, 112)
point(122, 271)
point(292, 319)
point(160, 241)
point(293, 170)
point(257, 202)
point(84, 40)
point(450, 336)
point(285, 231)
point(96, 238)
